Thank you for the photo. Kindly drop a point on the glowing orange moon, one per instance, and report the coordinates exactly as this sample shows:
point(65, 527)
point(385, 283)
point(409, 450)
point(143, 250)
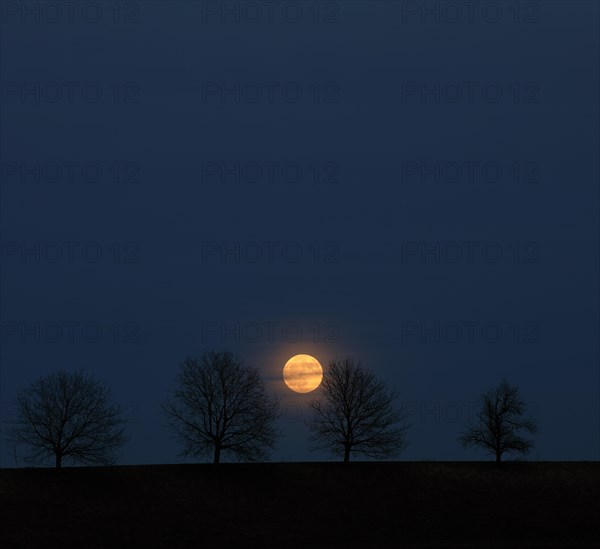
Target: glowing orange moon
point(302, 373)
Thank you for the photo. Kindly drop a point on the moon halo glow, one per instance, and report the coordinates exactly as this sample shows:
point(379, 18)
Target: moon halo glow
point(302, 373)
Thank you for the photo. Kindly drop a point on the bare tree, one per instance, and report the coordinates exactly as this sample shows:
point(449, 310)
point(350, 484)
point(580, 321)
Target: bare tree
point(355, 414)
point(221, 406)
point(68, 415)
point(499, 423)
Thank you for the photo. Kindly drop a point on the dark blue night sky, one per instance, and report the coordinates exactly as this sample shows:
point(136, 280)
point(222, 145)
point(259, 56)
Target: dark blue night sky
point(415, 189)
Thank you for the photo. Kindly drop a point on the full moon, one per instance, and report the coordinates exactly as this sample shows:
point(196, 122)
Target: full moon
point(302, 373)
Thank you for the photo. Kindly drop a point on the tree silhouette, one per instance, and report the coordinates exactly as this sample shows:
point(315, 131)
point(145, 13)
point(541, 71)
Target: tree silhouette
point(355, 414)
point(221, 406)
point(498, 424)
point(68, 415)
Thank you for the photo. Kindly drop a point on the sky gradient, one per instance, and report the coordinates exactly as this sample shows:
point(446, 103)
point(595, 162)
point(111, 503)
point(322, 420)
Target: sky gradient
point(418, 190)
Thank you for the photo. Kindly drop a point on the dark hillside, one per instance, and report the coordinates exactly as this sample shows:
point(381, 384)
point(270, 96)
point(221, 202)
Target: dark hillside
point(431, 504)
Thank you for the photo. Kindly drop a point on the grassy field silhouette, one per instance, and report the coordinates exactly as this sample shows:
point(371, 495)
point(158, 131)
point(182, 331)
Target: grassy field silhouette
point(407, 504)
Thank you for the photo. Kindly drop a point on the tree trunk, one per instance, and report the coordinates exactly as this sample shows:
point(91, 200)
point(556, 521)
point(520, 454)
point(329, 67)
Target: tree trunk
point(58, 460)
point(498, 457)
point(346, 454)
point(217, 455)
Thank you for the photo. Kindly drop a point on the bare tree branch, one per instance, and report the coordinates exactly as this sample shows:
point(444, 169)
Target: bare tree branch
point(355, 414)
point(221, 406)
point(500, 422)
point(69, 416)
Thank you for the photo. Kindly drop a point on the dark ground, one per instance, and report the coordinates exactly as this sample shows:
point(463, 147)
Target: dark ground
point(403, 504)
